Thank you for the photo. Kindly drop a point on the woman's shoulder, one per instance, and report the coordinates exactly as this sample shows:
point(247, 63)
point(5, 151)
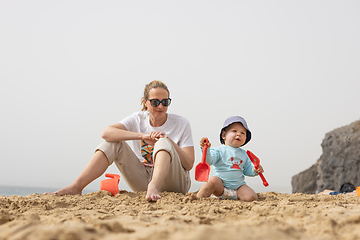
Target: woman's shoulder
point(136, 116)
point(175, 117)
point(141, 114)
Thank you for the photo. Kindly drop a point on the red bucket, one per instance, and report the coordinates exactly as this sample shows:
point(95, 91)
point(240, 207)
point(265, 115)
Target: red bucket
point(111, 185)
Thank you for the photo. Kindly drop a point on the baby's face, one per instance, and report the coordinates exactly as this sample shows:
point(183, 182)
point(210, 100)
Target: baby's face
point(235, 135)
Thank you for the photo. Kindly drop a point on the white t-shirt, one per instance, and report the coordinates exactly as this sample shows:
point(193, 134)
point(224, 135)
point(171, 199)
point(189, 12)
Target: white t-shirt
point(176, 127)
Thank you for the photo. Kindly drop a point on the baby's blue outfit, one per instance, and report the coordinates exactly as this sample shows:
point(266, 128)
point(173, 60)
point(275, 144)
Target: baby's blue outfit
point(231, 165)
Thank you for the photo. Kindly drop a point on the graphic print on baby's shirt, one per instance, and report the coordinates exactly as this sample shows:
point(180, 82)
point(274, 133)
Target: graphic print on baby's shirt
point(236, 163)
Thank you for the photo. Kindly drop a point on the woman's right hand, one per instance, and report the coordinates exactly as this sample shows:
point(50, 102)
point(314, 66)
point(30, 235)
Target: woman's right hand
point(202, 142)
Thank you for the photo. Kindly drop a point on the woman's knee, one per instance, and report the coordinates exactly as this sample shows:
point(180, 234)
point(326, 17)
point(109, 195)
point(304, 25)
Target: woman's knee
point(99, 154)
point(164, 147)
point(163, 143)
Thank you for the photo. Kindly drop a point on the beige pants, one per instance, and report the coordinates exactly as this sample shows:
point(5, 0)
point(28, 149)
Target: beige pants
point(137, 175)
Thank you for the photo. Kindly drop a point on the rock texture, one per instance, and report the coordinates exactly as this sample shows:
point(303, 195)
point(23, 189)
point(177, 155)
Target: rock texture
point(339, 163)
point(305, 182)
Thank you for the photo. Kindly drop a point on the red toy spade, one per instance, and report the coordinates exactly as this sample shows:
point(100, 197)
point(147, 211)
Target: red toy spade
point(256, 161)
point(202, 170)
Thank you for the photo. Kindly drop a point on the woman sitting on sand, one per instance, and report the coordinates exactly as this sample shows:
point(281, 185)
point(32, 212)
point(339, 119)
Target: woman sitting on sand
point(163, 151)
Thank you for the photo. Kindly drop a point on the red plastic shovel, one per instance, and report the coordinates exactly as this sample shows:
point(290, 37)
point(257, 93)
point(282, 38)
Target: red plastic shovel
point(202, 170)
point(256, 161)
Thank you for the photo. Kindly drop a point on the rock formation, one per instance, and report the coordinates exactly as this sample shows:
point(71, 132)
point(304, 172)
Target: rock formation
point(339, 163)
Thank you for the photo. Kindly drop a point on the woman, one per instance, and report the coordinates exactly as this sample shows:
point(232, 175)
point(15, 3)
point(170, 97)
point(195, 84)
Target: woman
point(163, 151)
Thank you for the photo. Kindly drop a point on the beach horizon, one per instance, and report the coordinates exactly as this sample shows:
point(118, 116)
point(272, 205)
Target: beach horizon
point(8, 190)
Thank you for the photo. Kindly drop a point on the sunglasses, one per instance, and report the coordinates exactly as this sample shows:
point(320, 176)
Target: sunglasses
point(156, 102)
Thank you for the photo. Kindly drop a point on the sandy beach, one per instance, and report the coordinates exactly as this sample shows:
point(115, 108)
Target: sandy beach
point(99, 215)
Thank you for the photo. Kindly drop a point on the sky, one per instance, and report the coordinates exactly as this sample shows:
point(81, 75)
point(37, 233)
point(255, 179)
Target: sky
point(68, 69)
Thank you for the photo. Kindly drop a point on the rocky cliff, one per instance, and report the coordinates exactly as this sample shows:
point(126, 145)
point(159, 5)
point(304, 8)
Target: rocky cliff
point(339, 163)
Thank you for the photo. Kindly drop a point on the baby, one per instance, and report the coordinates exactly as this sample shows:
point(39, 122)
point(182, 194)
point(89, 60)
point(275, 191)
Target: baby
point(231, 163)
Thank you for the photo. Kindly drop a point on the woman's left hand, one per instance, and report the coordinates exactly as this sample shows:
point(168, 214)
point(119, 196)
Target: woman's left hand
point(152, 137)
point(157, 135)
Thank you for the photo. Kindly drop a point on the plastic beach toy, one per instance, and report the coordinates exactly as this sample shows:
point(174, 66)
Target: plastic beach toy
point(256, 161)
point(202, 170)
point(111, 185)
point(358, 191)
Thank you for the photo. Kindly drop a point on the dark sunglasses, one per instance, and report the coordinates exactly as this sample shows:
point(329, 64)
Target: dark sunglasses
point(156, 102)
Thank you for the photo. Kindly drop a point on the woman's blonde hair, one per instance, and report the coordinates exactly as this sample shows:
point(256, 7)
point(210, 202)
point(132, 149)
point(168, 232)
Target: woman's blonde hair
point(148, 87)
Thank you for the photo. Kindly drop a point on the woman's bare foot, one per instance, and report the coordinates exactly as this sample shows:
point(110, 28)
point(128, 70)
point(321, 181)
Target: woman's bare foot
point(152, 194)
point(69, 190)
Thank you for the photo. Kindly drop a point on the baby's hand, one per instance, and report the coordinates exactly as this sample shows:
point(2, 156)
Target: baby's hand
point(202, 142)
point(259, 169)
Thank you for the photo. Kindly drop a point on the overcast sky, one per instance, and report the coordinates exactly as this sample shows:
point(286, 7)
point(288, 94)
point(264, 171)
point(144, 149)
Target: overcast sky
point(68, 69)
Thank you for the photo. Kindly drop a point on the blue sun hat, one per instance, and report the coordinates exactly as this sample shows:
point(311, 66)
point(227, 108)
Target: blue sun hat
point(232, 120)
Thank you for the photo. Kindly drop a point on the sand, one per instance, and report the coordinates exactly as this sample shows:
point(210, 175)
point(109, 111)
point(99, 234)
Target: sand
point(100, 215)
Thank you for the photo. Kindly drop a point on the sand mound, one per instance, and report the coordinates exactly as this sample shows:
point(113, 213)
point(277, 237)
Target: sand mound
point(99, 215)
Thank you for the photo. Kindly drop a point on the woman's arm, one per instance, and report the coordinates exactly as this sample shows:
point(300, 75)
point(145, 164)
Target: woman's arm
point(118, 132)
